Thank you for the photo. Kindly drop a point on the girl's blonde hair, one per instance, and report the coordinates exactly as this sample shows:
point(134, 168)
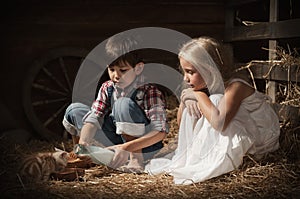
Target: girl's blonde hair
point(209, 57)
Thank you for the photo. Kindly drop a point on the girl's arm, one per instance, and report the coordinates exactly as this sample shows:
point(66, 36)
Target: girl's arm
point(219, 117)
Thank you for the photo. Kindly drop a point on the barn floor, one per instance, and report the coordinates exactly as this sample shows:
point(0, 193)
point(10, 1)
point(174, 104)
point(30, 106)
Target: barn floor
point(276, 175)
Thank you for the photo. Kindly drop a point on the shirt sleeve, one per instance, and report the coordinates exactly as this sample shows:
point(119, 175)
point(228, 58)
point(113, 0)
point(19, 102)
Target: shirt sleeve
point(100, 106)
point(155, 109)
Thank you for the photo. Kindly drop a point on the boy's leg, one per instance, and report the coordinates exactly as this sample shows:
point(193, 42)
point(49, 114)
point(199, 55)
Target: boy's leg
point(127, 112)
point(73, 119)
point(73, 124)
point(75, 139)
point(131, 120)
point(129, 117)
point(107, 135)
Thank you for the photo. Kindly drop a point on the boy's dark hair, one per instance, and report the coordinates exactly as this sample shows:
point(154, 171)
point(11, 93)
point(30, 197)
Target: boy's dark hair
point(132, 58)
point(122, 49)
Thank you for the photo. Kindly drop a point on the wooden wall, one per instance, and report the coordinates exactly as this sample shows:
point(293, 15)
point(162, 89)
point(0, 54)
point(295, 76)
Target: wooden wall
point(249, 27)
point(270, 39)
point(31, 28)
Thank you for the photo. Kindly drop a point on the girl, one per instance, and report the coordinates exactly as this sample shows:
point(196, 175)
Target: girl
point(231, 122)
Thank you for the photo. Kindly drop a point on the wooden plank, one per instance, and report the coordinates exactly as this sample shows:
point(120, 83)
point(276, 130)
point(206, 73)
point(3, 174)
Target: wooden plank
point(229, 18)
point(121, 13)
point(79, 32)
point(275, 72)
point(273, 16)
point(114, 2)
point(234, 3)
point(265, 30)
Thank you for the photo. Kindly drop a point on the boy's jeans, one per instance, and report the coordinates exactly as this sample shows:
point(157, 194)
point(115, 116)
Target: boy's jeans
point(126, 116)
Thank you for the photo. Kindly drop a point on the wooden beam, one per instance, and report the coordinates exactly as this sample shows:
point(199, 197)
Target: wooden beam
point(234, 3)
point(265, 30)
point(275, 71)
point(271, 86)
point(229, 18)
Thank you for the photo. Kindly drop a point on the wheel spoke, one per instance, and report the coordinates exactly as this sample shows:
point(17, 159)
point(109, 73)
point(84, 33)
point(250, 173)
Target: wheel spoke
point(55, 114)
point(44, 88)
point(64, 69)
point(47, 89)
point(46, 102)
point(55, 79)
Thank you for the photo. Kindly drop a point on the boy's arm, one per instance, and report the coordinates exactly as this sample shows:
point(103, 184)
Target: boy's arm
point(135, 145)
point(144, 141)
point(94, 119)
point(87, 133)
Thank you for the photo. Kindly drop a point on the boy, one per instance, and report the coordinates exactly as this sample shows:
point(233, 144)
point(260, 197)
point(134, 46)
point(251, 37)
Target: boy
point(128, 116)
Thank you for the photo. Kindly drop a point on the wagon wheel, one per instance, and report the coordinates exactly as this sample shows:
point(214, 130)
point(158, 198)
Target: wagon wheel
point(47, 90)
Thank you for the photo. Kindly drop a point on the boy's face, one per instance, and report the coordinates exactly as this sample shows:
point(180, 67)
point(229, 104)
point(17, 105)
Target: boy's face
point(123, 75)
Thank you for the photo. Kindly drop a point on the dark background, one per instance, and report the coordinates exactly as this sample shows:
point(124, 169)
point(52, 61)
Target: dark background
point(33, 28)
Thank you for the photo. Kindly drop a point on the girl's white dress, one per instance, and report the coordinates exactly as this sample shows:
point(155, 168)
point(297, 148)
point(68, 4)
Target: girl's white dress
point(203, 153)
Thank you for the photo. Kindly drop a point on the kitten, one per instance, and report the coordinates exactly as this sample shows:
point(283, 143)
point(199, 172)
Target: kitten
point(39, 167)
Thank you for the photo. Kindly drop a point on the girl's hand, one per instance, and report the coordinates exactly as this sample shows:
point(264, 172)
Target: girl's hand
point(193, 108)
point(121, 156)
point(190, 102)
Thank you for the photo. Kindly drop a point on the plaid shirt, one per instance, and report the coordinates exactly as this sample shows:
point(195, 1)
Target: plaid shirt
point(148, 97)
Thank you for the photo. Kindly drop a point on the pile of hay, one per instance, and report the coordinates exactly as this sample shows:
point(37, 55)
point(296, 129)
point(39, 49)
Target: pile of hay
point(276, 175)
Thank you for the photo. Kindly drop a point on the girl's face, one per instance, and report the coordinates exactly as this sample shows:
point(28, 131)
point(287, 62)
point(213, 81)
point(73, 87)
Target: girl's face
point(123, 75)
point(191, 75)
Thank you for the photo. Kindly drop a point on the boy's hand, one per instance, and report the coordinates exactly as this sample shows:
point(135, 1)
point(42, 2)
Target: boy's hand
point(120, 158)
point(190, 102)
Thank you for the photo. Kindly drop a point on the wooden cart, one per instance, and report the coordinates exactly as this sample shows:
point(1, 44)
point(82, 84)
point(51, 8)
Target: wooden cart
point(47, 89)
